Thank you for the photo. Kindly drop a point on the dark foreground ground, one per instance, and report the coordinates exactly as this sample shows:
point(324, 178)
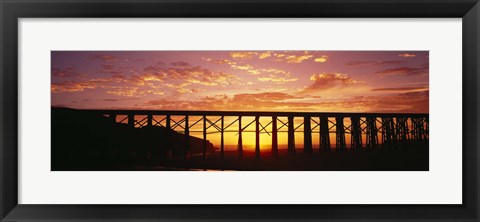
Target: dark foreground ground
point(361, 160)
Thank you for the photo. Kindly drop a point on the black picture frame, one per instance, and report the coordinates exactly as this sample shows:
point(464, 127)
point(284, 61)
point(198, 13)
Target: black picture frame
point(11, 11)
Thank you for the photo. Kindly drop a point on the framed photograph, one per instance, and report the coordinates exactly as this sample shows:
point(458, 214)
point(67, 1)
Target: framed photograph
point(226, 110)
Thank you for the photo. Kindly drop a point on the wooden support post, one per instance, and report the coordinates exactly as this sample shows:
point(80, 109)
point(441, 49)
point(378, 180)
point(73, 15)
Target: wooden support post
point(291, 136)
point(113, 118)
point(356, 133)
point(222, 145)
point(131, 120)
point(340, 134)
point(402, 130)
point(204, 137)
point(187, 138)
point(274, 136)
point(388, 136)
point(167, 122)
point(257, 136)
point(426, 129)
point(324, 134)
point(307, 135)
point(372, 137)
point(168, 139)
point(150, 120)
point(240, 142)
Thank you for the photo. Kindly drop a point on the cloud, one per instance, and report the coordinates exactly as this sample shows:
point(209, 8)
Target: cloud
point(407, 102)
point(243, 101)
point(297, 59)
point(72, 86)
point(191, 74)
point(180, 63)
point(112, 85)
point(65, 72)
point(243, 67)
point(264, 55)
point(107, 66)
point(104, 57)
point(262, 97)
point(292, 58)
point(411, 102)
point(131, 82)
point(374, 63)
point(402, 89)
point(243, 55)
point(276, 79)
point(321, 59)
point(249, 68)
point(131, 91)
point(407, 55)
point(407, 71)
point(324, 81)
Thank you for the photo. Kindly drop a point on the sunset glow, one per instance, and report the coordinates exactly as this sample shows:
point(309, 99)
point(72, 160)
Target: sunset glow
point(312, 81)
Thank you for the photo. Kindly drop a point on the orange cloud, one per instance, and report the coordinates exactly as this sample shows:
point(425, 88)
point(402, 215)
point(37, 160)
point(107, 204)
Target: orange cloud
point(105, 58)
point(191, 74)
point(402, 89)
point(65, 72)
point(264, 55)
point(179, 63)
point(407, 55)
point(297, 59)
point(411, 102)
point(324, 81)
point(243, 55)
point(276, 79)
point(408, 71)
point(248, 68)
point(72, 86)
point(374, 63)
point(321, 59)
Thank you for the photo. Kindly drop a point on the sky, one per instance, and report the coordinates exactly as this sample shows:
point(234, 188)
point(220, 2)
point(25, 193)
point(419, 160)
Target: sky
point(309, 81)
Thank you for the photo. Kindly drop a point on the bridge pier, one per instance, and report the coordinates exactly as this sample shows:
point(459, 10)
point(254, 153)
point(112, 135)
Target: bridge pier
point(149, 120)
point(222, 145)
point(204, 137)
point(426, 129)
point(168, 144)
point(388, 132)
point(113, 117)
point(274, 136)
point(257, 136)
point(291, 135)
point(418, 129)
point(187, 138)
point(372, 137)
point(131, 120)
point(340, 134)
point(402, 131)
point(240, 142)
point(307, 135)
point(324, 134)
point(356, 133)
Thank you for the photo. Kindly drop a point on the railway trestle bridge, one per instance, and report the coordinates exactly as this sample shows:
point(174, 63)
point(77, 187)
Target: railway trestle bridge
point(366, 130)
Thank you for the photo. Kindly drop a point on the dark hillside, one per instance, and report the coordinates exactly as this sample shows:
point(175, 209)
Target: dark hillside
point(82, 140)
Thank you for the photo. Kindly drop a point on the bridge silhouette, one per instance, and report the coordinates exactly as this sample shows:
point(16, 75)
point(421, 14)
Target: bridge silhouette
point(381, 130)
